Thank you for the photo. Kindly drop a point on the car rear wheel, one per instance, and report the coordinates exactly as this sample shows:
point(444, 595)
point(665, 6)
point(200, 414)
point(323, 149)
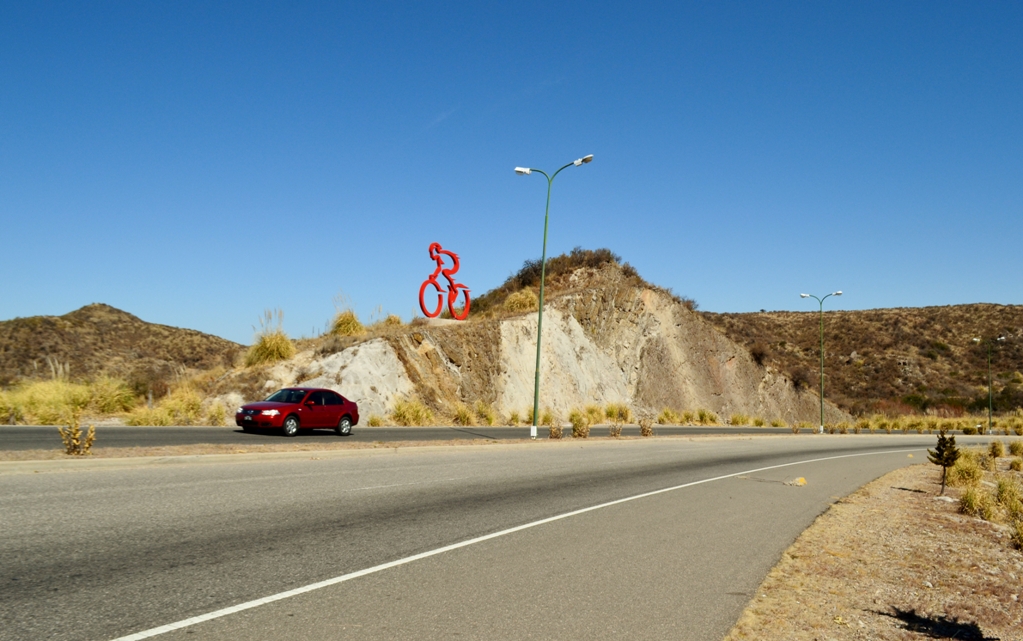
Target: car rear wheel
point(344, 427)
point(291, 426)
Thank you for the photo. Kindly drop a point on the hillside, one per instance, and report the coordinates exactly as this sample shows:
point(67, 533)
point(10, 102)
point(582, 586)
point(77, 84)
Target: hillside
point(100, 339)
point(608, 337)
point(896, 360)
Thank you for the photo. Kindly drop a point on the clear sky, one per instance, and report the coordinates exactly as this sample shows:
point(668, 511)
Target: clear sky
point(197, 163)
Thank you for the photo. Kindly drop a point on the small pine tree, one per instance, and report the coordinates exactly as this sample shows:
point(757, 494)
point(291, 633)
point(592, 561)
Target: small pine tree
point(944, 454)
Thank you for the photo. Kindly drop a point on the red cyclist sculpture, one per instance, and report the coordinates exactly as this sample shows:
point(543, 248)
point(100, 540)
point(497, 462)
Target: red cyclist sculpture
point(437, 254)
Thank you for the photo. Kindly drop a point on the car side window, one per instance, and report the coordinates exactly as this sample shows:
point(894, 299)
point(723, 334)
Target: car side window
point(334, 399)
point(317, 398)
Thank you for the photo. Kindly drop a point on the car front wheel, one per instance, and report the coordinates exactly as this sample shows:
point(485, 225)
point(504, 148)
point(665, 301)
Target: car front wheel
point(291, 426)
point(344, 427)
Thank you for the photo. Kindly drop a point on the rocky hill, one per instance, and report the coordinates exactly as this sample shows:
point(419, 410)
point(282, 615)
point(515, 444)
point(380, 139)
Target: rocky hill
point(100, 339)
point(608, 337)
point(896, 360)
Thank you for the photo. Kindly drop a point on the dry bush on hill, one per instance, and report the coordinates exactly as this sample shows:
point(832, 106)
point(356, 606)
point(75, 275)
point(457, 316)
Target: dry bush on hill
point(894, 361)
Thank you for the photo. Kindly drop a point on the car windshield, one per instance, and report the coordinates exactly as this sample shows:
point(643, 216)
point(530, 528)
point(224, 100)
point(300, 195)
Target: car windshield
point(287, 396)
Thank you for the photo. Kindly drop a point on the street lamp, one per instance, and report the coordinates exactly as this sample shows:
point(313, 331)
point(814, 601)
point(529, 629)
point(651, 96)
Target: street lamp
point(525, 171)
point(990, 397)
point(821, 301)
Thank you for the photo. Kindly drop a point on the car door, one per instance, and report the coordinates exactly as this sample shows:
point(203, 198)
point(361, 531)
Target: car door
point(316, 411)
point(335, 407)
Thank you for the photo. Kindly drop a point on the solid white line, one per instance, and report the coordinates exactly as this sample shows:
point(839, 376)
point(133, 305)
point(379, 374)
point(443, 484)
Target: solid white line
point(216, 614)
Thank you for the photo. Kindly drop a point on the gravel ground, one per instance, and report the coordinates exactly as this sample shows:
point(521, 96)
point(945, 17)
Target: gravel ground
point(893, 561)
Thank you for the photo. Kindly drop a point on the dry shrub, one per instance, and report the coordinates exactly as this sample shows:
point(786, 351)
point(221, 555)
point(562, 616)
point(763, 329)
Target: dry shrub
point(1017, 535)
point(52, 402)
point(1016, 465)
point(996, 449)
point(272, 344)
point(967, 470)
point(150, 417)
point(216, 414)
point(969, 430)
point(522, 301)
point(555, 432)
point(646, 427)
point(796, 427)
point(514, 418)
point(758, 422)
point(548, 418)
point(111, 395)
point(71, 435)
point(738, 419)
point(976, 502)
point(668, 416)
point(843, 427)
point(464, 416)
point(580, 423)
point(411, 412)
point(706, 417)
point(1010, 497)
point(1016, 448)
point(346, 323)
point(393, 320)
point(617, 414)
point(688, 417)
point(484, 413)
point(594, 414)
point(860, 425)
point(375, 420)
point(778, 423)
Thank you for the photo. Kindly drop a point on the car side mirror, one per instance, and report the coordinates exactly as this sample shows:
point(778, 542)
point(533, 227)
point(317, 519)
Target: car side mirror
point(310, 403)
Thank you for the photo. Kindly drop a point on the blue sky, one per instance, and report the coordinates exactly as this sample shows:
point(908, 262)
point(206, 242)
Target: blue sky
point(195, 164)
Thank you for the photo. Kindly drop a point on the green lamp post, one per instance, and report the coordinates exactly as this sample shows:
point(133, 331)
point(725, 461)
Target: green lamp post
point(821, 301)
point(990, 396)
point(525, 171)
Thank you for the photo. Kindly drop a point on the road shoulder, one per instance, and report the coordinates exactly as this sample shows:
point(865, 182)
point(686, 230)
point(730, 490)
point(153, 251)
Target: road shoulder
point(892, 561)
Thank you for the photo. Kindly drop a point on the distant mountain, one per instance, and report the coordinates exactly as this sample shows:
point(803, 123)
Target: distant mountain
point(100, 339)
point(899, 359)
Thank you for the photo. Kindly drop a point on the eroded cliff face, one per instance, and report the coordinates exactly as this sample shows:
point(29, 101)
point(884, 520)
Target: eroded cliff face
point(604, 339)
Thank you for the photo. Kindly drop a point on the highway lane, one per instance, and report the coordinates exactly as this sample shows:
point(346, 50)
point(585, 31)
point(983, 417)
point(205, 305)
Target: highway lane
point(104, 553)
point(33, 437)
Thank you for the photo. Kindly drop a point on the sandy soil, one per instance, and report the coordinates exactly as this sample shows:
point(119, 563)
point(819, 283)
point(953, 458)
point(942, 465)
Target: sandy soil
point(892, 561)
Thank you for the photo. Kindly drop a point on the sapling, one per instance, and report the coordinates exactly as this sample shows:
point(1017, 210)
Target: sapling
point(944, 454)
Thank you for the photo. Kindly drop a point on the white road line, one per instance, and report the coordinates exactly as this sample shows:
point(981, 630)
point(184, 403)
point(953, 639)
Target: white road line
point(248, 605)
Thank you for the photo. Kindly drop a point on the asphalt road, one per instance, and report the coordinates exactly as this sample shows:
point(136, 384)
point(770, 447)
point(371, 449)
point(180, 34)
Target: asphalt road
point(105, 553)
point(21, 437)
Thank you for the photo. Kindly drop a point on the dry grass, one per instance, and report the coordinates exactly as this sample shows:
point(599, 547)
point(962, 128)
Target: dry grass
point(595, 414)
point(580, 423)
point(75, 444)
point(891, 562)
point(669, 416)
point(272, 344)
point(411, 412)
point(522, 301)
point(738, 419)
point(617, 415)
point(375, 420)
point(706, 417)
point(464, 416)
point(484, 413)
point(346, 323)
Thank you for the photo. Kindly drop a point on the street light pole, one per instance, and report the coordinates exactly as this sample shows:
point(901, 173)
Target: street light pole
point(525, 171)
point(821, 301)
point(990, 395)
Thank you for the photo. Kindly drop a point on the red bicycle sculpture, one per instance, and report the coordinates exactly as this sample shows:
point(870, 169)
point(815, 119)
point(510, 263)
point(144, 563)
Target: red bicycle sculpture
point(437, 254)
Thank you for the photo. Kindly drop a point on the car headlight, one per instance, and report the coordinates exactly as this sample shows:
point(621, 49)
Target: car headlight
point(269, 412)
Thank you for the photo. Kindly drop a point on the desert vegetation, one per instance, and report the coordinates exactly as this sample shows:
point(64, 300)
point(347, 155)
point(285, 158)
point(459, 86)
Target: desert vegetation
point(992, 486)
point(271, 344)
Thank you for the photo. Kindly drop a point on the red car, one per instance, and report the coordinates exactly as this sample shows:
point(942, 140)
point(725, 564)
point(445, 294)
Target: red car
point(295, 408)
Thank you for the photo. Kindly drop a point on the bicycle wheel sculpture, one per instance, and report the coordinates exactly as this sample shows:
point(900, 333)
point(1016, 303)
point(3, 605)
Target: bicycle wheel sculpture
point(437, 253)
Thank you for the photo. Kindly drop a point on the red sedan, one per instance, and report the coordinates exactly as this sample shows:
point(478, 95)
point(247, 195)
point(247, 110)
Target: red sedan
point(295, 408)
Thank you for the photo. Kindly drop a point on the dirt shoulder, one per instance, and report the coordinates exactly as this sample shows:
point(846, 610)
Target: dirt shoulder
point(892, 561)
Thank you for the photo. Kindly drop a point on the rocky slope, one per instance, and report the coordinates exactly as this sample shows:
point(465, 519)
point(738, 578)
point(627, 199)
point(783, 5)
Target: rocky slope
point(607, 337)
